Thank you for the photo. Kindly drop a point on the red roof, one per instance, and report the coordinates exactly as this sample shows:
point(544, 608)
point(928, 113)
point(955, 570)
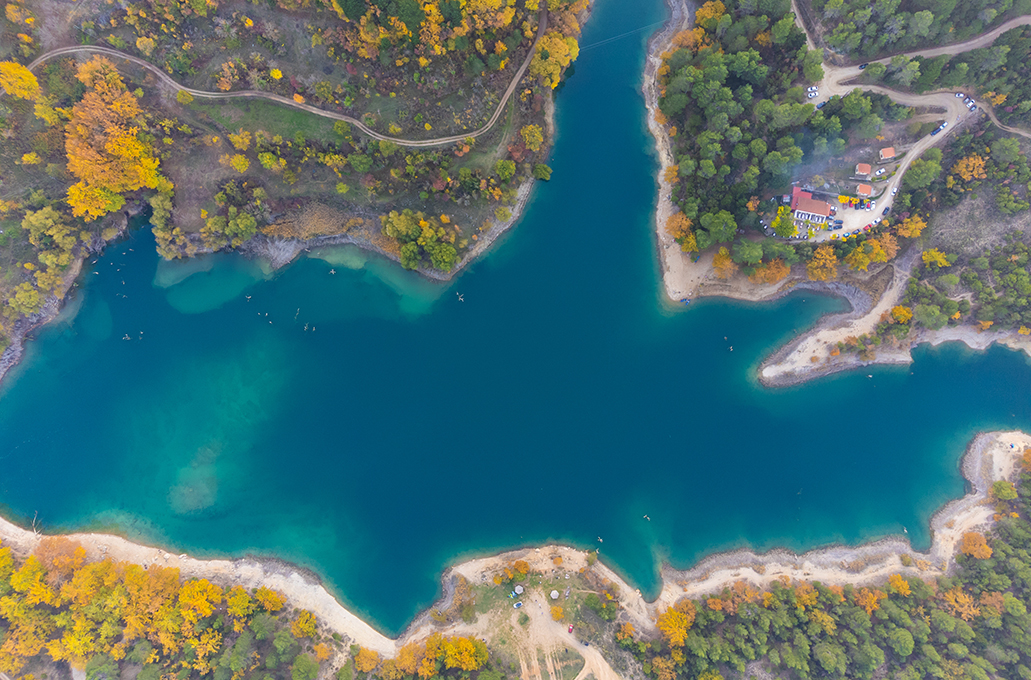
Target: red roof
point(804, 201)
point(887, 152)
point(814, 207)
point(863, 168)
point(864, 190)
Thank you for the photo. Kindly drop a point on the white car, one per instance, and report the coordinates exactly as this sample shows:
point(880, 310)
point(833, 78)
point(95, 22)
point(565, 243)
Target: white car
point(814, 94)
point(873, 205)
point(959, 95)
point(894, 191)
point(814, 88)
point(880, 172)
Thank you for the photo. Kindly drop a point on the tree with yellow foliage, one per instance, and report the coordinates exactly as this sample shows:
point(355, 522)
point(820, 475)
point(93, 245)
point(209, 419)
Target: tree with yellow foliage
point(18, 81)
point(270, 600)
point(935, 258)
point(911, 227)
point(533, 136)
point(366, 660)
point(708, 15)
point(723, 265)
point(105, 150)
point(901, 313)
point(823, 266)
point(676, 621)
point(304, 625)
point(959, 603)
point(899, 585)
point(554, 52)
point(970, 168)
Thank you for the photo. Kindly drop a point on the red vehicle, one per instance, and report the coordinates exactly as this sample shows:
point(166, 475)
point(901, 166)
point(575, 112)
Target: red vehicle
point(570, 628)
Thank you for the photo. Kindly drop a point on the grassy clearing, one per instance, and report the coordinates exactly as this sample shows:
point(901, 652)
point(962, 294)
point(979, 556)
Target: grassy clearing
point(273, 118)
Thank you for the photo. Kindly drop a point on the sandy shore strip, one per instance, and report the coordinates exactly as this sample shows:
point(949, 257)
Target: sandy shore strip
point(989, 457)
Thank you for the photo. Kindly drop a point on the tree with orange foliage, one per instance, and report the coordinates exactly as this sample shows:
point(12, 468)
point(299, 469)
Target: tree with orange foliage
point(60, 557)
point(625, 632)
point(664, 668)
point(676, 621)
point(805, 595)
point(723, 265)
point(678, 225)
point(911, 227)
point(888, 244)
point(715, 604)
point(556, 613)
point(18, 81)
point(975, 545)
point(770, 272)
point(823, 266)
point(672, 174)
point(870, 600)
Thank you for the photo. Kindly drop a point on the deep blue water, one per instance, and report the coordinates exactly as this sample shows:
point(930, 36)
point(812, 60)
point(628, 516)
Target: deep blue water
point(406, 430)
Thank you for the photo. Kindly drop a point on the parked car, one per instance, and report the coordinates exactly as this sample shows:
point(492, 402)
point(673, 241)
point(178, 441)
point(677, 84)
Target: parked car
point(863, 66)
point(821, 105)
point(959, 95)
point(880, 172)
point(894, 191)
point(812, 88)
point(886, 210)
point(570, 628)
point(517, 605)
point(813, 95)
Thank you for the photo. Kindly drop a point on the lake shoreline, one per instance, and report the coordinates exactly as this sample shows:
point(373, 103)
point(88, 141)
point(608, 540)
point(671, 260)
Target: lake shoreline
point(988, 457)
point(684, 279)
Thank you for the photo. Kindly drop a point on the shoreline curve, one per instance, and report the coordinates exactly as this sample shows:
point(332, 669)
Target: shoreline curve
point(989, 456)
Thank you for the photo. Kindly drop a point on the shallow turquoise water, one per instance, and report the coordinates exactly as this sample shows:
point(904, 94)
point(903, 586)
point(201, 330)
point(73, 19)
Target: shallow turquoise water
point(404, 430)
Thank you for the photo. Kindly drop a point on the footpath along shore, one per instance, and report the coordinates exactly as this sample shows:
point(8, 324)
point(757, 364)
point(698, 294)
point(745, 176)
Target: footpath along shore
point(989, 457)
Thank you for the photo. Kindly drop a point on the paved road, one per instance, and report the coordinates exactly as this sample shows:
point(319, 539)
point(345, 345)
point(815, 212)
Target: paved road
point(255, 94)
point(835, 81)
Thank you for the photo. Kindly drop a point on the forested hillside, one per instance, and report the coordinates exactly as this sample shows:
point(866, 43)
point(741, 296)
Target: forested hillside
point(85, 137)
point(863, 29)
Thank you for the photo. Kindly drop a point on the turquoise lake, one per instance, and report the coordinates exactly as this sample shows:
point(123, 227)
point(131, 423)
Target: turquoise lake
point(406, 430)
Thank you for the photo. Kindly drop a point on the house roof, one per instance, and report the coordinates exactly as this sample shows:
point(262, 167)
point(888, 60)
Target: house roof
point(864, 190)
point(813, 206)
point(863, 168)
point(887, 152)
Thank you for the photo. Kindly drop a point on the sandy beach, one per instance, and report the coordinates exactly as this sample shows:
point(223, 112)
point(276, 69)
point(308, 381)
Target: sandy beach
point(989, 457)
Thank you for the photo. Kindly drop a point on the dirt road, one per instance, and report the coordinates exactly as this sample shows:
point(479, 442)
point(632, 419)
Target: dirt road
point(837, 81)
point(166, 80)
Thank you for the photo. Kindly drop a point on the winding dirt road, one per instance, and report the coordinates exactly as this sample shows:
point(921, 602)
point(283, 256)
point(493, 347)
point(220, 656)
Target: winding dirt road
point(255, 94)
point(837, 81)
